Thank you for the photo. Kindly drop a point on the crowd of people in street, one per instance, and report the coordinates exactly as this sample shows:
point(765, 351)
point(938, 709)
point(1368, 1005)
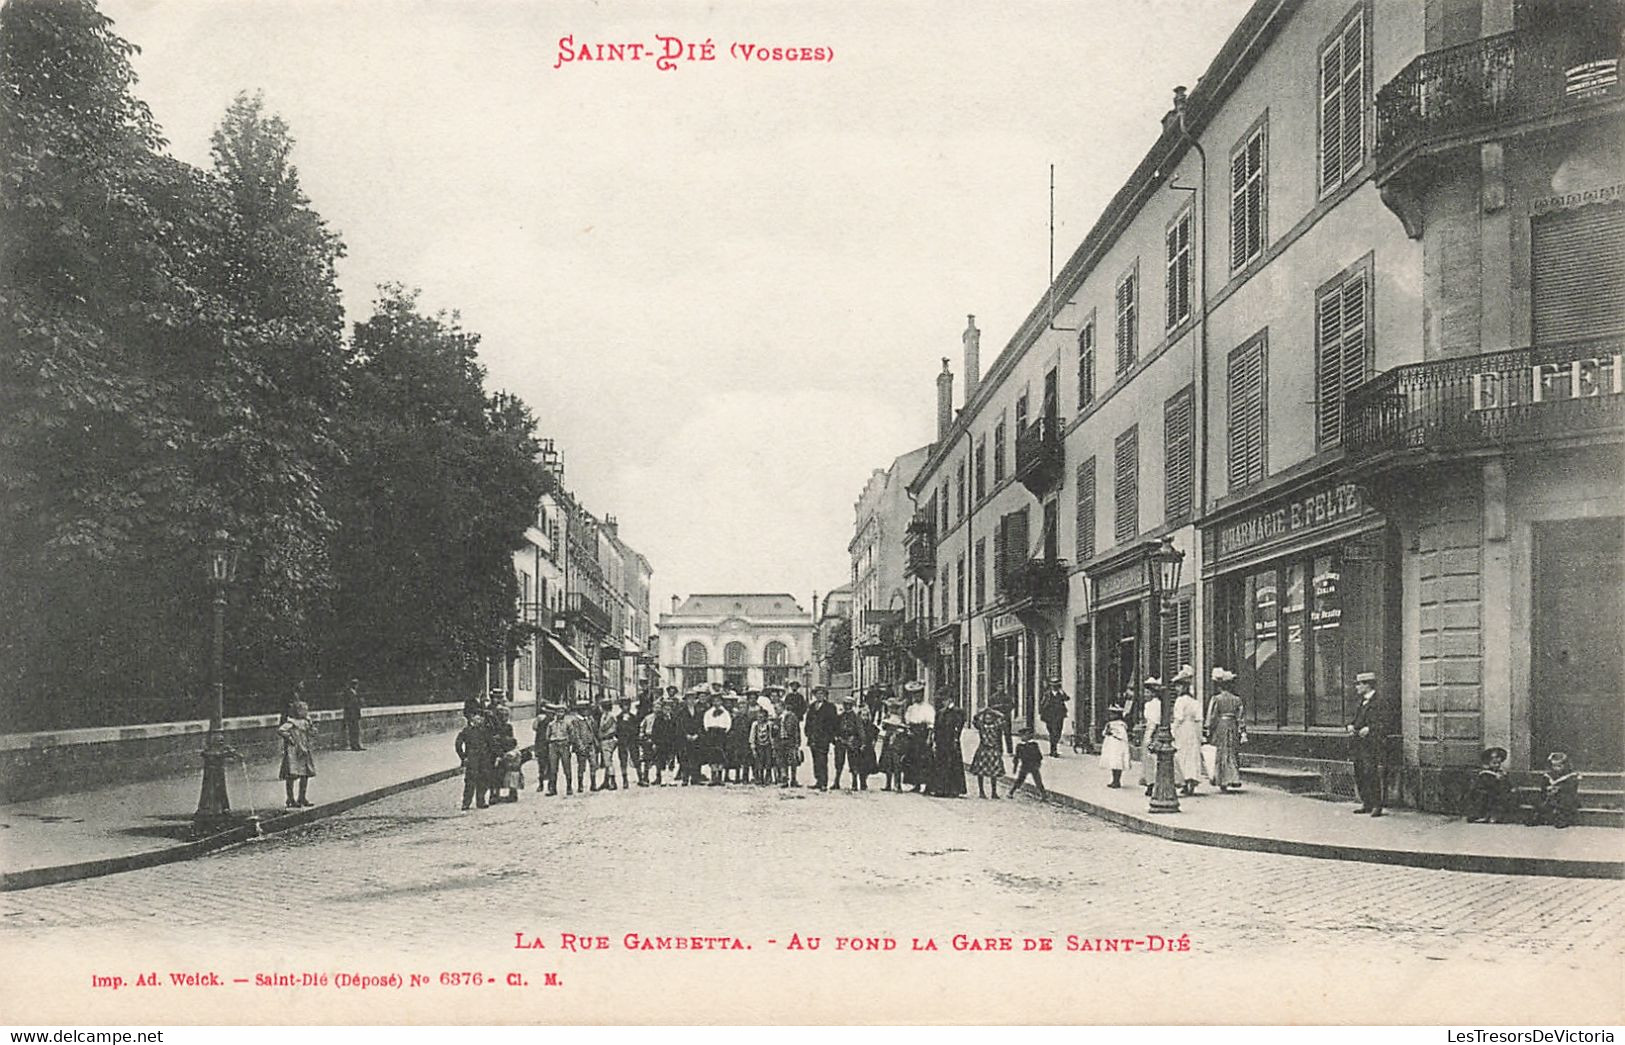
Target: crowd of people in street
point(716, 735)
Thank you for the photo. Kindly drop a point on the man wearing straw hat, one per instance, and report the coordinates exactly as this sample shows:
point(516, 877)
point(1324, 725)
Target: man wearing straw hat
point(1368, 732)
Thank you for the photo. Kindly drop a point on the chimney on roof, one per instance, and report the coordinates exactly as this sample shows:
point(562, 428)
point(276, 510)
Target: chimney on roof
point(945, 401)
point(612, 526)
point(972, 339)
point(674, 604)
point(1173, 117)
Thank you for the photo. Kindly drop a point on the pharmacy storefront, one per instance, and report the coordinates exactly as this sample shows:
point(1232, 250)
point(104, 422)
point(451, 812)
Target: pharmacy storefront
point(1304, 589)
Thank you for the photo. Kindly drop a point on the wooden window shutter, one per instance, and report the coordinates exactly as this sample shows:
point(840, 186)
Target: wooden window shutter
point(1342, 104)
point(1126, 484)
point(1578, 273)
point(1017, 549)
point(1126, 322)
point(1086, 511)
point(1245, 419)
point(1000, 556)
point(1340, 357)
point(1178, 420)
point(1247, 201)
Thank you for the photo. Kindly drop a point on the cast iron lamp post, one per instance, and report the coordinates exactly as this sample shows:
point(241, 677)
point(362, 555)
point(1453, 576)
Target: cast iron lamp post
point(1164, 577)
point(213, 807)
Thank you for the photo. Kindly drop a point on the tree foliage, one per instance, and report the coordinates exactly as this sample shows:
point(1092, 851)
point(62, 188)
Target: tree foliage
point(172, 364)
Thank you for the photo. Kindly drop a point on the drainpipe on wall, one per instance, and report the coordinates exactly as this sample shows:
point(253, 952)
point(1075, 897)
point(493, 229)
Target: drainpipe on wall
point(1198, 609)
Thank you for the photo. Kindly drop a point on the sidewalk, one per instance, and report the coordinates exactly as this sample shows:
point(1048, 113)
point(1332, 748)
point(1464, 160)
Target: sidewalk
point(119, 828)
point(1267, 820)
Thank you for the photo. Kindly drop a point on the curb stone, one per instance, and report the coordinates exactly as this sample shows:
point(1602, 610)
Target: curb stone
point(34, 877)
point(1480, 863)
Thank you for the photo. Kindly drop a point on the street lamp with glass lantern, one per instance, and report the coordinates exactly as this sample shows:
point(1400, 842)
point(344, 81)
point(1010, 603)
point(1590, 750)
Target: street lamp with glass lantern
point(214, 807)
point(1164, 564)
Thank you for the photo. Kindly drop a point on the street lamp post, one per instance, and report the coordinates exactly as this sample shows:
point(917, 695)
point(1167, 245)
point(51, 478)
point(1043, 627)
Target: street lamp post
point(1164, 577)
point(213, 806)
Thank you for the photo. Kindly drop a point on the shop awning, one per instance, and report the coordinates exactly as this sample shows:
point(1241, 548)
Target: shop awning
point(568, 656)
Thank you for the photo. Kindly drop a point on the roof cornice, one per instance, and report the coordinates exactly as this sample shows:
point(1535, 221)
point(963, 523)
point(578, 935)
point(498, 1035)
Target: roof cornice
point(1236, 56)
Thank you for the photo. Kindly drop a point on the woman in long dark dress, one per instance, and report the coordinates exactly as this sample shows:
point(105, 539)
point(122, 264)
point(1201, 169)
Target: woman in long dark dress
point(949, 763)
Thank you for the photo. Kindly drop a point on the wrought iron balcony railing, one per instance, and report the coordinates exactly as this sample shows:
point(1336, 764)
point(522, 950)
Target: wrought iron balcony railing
point(920, 545)
point(1035, 583)
point(1493, 82)
point(1041, 454)
point(914, 636)
point(1489, 400)
point(582, 611)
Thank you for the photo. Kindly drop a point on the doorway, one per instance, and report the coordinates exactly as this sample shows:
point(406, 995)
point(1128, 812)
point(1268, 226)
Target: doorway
point(1577, 655)
point(1118, 656)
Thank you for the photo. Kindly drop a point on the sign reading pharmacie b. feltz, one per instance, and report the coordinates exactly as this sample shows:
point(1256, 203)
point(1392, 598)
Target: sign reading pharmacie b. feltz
point(1300, 516)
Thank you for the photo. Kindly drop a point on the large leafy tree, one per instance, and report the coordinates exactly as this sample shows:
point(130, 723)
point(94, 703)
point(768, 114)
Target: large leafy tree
point(440, 483)
point(275, 452)
point(105, 336)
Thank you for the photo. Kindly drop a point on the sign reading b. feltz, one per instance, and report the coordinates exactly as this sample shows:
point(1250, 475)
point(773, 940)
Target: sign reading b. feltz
point(1323, 506)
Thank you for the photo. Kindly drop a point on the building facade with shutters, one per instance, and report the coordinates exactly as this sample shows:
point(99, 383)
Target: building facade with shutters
point(879, 584)
point(1349, 338)
point(741, 641)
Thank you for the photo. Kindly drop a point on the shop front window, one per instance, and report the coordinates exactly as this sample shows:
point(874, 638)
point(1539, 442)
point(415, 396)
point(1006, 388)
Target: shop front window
point(1326, 639)
point(1300, 629)
point(1293, 643)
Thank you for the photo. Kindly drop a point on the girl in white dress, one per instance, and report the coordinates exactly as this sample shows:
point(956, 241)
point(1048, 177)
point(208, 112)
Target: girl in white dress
point(1114, 745)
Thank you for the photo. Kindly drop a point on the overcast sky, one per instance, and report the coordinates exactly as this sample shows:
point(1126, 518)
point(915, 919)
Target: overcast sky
point(724, 289)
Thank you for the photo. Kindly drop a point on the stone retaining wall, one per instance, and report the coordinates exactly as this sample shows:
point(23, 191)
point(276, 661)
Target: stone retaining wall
point(34, 765)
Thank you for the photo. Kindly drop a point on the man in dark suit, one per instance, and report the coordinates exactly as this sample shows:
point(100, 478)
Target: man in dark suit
point(822, 719)
point(1369, 732)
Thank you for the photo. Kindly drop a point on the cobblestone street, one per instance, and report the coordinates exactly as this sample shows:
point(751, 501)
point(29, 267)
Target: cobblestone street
point(416, 876)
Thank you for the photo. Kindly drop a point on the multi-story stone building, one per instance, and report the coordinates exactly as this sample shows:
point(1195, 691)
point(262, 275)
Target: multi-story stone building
point(744, 641)
point(832, 642)
point(879, 585)
point(1270, 353)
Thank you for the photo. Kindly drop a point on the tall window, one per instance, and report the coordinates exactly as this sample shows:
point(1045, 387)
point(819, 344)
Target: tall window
point(1021, 414)
point(981, 678)
point(945, 587)
point(1245, 419)
point(1247, 198)
point(1128, 313)
point(775, 664)
point(946, 505)
point(1009, 546)
point(733, 666)
point(959, 589)
point(1176, 637)
point(1086, 363)
point(1578, 272)
point(981, 467)
point(979, 568)
point(1086, 511)
point(1126, 484)
point(1178, 420)
point(1342, 347)
point(1179, 269)
point(1052, 529)
point(1343, 102)
point(959, 491)
point(998, 451)
point(694, 665)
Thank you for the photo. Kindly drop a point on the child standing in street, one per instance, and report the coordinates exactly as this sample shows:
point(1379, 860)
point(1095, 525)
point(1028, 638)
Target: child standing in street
point(298, 751)
point(474, 751)
point(1114, 755)
point(1029, 757)
point(988, 761)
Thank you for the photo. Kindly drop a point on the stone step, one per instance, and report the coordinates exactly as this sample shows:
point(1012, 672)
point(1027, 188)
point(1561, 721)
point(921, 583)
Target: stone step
point(1590, 798)
point(1298, 781)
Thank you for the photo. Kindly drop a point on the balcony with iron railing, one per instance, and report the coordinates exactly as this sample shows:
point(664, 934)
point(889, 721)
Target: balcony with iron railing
point(920, 545)
point(1041, 454)
point(1567, 392)
point(1455, 95)
point(914, 636)
point(582, 611)
point(1035, 584)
